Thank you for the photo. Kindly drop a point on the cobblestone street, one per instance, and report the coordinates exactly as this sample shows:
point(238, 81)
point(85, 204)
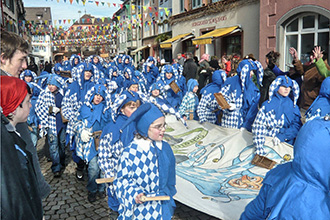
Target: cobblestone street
point(68, 198)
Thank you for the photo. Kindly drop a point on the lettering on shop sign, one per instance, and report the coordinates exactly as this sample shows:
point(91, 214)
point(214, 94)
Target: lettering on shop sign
point(210, 21)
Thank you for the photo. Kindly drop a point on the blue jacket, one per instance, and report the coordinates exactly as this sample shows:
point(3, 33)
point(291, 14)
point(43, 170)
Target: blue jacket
point(298, 189)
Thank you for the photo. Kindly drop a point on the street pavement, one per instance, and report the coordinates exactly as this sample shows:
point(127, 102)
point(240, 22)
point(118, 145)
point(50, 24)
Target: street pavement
point(68, 197)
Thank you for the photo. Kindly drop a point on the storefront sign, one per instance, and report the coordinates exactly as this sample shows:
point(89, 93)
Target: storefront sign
point(210, 21)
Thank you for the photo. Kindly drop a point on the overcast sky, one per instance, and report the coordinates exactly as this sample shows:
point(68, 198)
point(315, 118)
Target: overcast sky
point(64, 10)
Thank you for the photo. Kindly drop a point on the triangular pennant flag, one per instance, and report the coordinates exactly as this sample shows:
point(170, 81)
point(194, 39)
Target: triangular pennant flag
point(59, 21)
point(83, 20)
point(166, 11)
point(64, 21)
point(69, 20)
point(74, 20)
point(144, 8)
point(133, 7)
point(145, 15)
point(103, 19)
point(46, 22)
point(109, 4)
point(121, 6)
point(97, 3)
point(114, 4)
point(77, 1)
point(150, 14)
point(84, 2)
point(71, 2)
point(118, 17)
point(155, 8)
point(93, 20)
point(150, 8)
point(161, 13)
point(127, 7)
point(156, 13)
point(64, 1)
point(102, 3)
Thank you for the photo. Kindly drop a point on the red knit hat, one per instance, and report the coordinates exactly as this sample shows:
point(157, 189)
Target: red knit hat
point(13, 92)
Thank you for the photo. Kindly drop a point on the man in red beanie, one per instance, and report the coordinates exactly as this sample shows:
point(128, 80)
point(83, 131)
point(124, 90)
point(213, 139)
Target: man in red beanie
point(20, 197)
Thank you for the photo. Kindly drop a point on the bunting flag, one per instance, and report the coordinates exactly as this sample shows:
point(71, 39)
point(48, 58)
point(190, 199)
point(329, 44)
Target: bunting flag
point(84, 2)
point(97, 3)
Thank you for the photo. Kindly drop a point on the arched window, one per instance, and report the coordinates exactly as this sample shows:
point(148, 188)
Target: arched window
point(305, 31)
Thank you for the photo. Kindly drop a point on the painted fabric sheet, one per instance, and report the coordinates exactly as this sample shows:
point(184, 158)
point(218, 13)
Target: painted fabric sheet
point(214, 170)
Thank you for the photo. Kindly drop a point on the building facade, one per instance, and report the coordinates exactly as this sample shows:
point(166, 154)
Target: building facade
point(13, 17)
point(300, 24)
point(39, 20)
point(216, 28)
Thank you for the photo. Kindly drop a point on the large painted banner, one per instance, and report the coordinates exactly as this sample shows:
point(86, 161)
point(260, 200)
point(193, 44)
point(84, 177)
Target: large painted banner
point(213, 166)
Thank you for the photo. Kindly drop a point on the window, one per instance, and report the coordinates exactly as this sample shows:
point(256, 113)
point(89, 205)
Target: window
point(182, 6)
point(303, 33)
point(232, 44)
point(196, 3)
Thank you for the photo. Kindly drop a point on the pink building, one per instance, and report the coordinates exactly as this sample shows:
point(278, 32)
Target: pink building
point(301, 24)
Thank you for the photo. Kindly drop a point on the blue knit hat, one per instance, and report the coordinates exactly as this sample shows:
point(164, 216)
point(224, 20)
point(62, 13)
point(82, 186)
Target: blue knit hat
point(144, 116)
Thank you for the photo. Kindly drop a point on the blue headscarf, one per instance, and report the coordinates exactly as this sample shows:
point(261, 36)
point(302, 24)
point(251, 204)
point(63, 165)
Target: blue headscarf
point(280, 104)
point(218, 79)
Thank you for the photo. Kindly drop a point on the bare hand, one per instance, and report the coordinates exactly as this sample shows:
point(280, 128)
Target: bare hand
point(317, 52)
point(293, 53)
point(138, 198)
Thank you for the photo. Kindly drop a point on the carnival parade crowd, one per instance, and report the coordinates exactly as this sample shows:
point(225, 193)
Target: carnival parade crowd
point(111, 114)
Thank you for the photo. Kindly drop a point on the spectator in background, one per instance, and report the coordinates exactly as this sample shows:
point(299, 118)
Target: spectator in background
point(269, 75)
point(48, 66)
point(189, 68)
point(33, 66)
point(214, 63)
point(14, 51)
point(180, 59)
point(226, 63)
point(204, 71)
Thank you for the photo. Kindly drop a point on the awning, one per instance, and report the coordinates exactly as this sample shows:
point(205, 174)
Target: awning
point(138, 49)
point(207, 38)
point(168, 43)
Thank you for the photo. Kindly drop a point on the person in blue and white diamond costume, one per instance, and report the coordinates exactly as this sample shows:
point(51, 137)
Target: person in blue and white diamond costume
point(146, 168)
point(208, 110)
point(242, 95)
point(279, 116)
point(112, 141)
point(91, 118)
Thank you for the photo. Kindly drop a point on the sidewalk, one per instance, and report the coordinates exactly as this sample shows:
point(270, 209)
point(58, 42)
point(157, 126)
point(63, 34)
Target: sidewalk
point(68, 198)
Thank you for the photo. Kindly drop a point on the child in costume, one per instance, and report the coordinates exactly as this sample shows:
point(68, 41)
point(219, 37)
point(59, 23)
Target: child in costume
point(207, 109)
point(29, 77)
point(279, 117)
point(91, 120)
point(242, 95)
point(48, 109)
point(168, 75)
point(112, 142)
point(146, 168)
point(190, 101)
point(85, 75)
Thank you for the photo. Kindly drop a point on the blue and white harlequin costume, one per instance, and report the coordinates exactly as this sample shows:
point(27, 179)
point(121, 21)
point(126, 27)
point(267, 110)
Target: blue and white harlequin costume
point(75, 96)
point(148, 167)
point(51, 123)
point(207, 108)
point(91, 117)
point(279, 116)
point(321, 105)
point(112, 142)
point(28, 73)
point(298, 189)
point(173, 98)
point(241, 92)
point(190, 101)
point(72, 61)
